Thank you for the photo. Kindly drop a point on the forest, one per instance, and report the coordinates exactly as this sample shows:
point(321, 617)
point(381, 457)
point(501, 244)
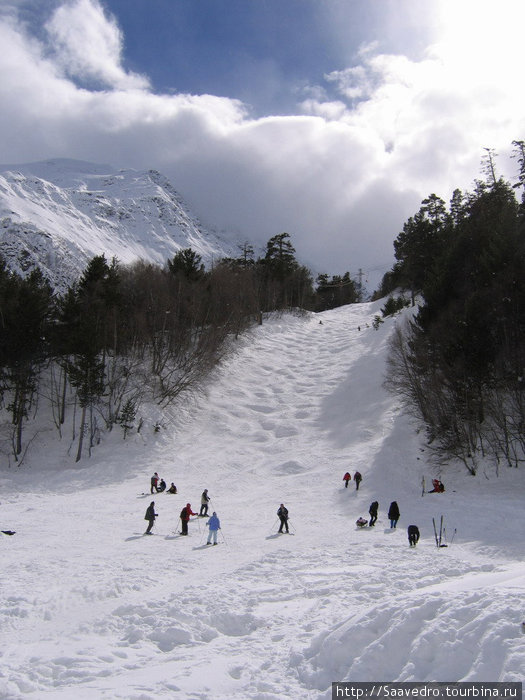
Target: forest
point(124, 335)
point(459, 363)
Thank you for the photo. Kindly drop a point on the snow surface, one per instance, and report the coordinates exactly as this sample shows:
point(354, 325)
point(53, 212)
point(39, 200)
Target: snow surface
point(58, 214)
point(90, 608)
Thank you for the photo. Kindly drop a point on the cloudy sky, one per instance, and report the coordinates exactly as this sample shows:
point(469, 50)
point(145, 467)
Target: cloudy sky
point(328, 119)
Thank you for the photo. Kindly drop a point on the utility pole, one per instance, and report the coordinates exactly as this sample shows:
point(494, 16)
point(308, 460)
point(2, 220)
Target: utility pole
point(360, 285)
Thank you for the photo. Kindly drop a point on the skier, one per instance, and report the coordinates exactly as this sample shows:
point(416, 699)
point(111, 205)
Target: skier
point(357, 478)
point(150, 516)
point(154, 482)
point(361, 522)
point(162, 486)
point(172, 488)
point(374, 507)
point(204, 503)
point(185, 516)
point(413, 535)
point(346, 478)
point(283, 517)
point(214, 524)
point(393, 514)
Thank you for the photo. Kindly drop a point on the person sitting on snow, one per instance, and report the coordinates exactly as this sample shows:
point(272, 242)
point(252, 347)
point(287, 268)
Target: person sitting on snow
point(172, 488)
point(438, 486)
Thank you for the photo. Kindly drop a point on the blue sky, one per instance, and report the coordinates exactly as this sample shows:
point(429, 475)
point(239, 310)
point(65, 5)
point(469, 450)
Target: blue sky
point(328, 119)
point(263, 52)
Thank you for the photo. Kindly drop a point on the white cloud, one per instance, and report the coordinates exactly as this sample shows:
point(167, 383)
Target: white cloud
point(89, 45)
point(341, 177)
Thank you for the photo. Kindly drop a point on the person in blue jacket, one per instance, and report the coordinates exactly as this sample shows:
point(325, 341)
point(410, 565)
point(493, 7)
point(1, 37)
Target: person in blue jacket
point(214, 524)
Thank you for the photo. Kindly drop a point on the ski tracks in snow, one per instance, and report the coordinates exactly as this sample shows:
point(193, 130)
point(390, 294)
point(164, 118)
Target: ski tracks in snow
point(110, 614)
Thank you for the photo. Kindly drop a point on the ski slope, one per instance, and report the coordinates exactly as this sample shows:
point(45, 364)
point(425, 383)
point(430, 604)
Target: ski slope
point(92, 609)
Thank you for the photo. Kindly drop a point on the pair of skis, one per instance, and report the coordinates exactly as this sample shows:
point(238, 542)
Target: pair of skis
point(442, 533)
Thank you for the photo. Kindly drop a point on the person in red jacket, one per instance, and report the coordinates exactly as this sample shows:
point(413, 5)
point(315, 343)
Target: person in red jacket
point(185, 514)
point(346, 478)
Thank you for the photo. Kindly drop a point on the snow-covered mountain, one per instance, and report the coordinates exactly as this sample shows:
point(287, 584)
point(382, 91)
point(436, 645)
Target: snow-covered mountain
point(57, 214)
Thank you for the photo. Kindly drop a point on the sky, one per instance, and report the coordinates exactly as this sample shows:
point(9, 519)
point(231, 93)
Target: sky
point(330, 120)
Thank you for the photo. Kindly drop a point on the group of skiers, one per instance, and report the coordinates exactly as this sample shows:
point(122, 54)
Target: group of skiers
point(393, 511)
point(213, 523)
point(159, 485)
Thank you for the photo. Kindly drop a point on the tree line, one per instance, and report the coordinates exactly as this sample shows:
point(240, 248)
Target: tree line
point(123, 335)
point(459, 364)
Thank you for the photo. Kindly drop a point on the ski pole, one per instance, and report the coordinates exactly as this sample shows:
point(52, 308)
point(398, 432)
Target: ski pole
point(275, 523)
point(224, 538)
point(435, 532)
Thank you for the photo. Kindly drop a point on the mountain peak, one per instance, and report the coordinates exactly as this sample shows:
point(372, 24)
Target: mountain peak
point(57, 214)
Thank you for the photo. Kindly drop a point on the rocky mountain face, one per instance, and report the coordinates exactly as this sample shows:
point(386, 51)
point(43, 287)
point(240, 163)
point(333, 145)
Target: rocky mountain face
point(58, 214)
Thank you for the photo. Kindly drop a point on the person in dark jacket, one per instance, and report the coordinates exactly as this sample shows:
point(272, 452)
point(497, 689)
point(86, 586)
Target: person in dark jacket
point(346, 478)
point(283, 517)
point(413, 535)
point(172, 488)
point(150, 517)
point(185, 514)
point(357, 478)
point(162, 486)
point(374, 507)
point(393, 514)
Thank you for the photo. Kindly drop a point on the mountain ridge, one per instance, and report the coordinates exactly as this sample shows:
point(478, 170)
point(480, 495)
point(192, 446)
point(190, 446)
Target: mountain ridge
point(59, 213)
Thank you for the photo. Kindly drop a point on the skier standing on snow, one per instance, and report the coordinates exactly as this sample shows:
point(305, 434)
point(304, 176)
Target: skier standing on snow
point(346, 478)
point(357, 479)
point(374, 507)
point(283, 517)
point(204, 503)
point(413, 535)
point(154, 482)
point(393, 514)
point(150, 516)
point(185, 516)
point(214, 524)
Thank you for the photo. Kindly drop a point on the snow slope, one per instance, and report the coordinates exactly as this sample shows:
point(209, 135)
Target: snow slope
point(58, 214)
point(92, 609)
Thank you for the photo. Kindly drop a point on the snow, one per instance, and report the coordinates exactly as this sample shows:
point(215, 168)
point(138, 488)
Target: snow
point(90, 608)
